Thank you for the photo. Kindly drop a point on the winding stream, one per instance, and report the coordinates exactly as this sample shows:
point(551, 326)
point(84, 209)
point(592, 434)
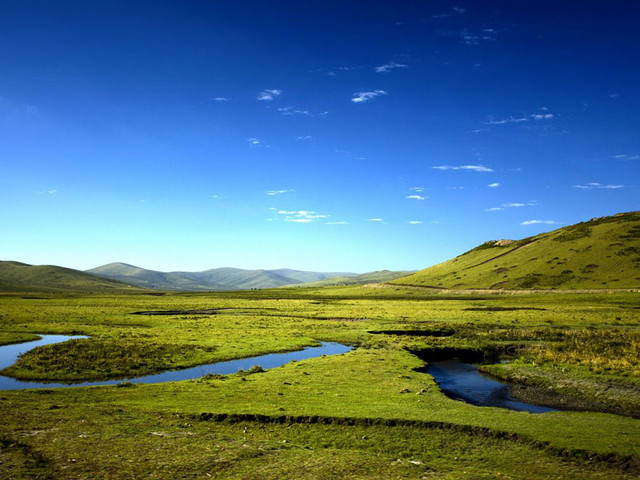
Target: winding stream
point(9, 355)
point(463, 381)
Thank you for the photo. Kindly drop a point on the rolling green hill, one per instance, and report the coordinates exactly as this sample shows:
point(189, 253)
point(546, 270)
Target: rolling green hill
point(601, 253)
point(16, 276)
point(214, 279)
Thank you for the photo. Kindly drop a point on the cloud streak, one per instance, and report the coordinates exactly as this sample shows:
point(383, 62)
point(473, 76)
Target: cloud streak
point(300, 216)
point(387, 67)
point(362, 97)
point(596, 185)
point(541, 222)
point(278, 192)
point(294, 111)
point(256, 142)
point(415, 197)
point(527, 118)
point(473, 168)
point(511, 205)
point(268, 95)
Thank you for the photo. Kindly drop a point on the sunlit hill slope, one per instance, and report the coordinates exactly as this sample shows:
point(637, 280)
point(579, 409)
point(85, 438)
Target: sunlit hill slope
point(16, 276)
point(601, 253)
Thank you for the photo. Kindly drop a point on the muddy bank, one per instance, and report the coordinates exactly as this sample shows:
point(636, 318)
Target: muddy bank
point(553, 399)
point(584, 400)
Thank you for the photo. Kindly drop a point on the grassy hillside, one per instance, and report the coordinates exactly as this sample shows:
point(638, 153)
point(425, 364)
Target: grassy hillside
point(214, 279)
point(601, 253)
point(16, 276)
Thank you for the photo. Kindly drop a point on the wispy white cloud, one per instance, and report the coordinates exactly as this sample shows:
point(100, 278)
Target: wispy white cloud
point(269, 95)
point(507, 120)
point(474, 168)
point(458, 10)
point(387, 67)
point(279, 192)
point(543, 116)
point(221, 99)
point(594, 185)
point(362, 97)
point(415, 197)
point(333, 72)
point(337, 223)
point(539, 222)
point(256, 142)
point(375, 220)
point(532, 203)
point(300, 216)
point(304, 137)
point(349, 154)
point(626, 157)
point(417, 189)
point(294, 111)
point(415, 222)
point(215, 197)
point(493, 185)
point(47, 192)
point(526, 118)
point(474, 37)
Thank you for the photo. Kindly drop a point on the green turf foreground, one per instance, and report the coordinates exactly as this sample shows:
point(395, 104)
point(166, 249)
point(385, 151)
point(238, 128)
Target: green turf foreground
point(364, 414)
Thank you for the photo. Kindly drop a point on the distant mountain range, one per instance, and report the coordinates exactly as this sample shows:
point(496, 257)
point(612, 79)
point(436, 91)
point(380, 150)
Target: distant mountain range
point(601, 253)
point(208, 280)
point(380, 276)
point(117, 277)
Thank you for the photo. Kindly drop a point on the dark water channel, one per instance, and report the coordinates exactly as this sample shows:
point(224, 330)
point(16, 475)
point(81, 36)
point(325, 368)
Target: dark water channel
point(463, 381)
point(9, 355)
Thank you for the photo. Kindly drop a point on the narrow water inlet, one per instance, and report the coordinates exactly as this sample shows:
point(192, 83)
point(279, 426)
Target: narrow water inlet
point(462, 381)
point(454, 371)
point(9, 355)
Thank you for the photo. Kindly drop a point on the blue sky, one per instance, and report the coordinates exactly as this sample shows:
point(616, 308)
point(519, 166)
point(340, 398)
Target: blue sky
point(318, 135)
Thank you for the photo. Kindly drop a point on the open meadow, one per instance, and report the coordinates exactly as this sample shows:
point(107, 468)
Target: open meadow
point(370, 413)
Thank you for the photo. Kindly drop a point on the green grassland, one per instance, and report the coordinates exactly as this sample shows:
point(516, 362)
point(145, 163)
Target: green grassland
point(601, 253)
point(365, 414)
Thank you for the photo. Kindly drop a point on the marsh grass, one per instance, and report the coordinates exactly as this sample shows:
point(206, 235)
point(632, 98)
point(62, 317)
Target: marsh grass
point(602, 351)
point(108, 443)
point(377, 380)
point(101, 359)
